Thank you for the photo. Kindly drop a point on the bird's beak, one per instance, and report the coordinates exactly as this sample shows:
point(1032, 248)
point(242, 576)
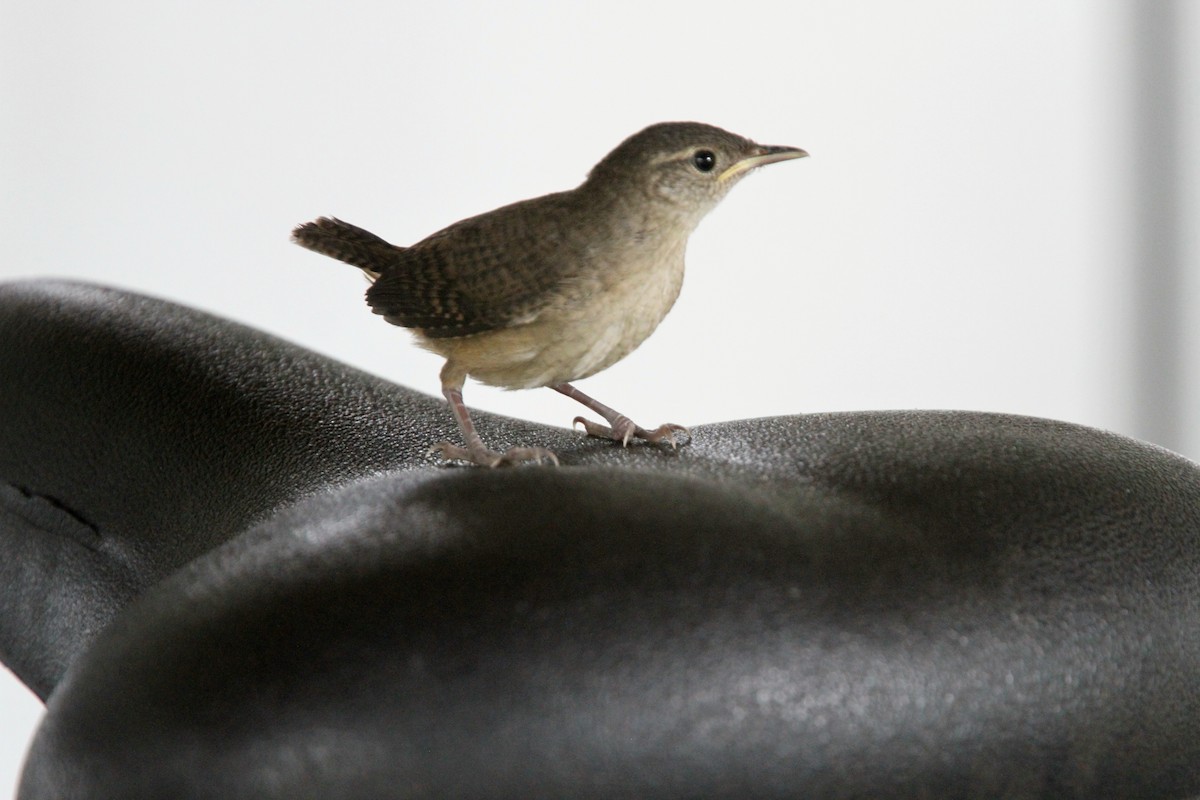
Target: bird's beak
point(767, 154)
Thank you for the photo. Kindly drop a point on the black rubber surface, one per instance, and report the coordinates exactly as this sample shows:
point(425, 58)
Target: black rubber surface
point(230, 567)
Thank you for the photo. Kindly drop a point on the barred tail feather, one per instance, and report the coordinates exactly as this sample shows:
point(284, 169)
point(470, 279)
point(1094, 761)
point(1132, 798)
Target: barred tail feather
point(349, 243)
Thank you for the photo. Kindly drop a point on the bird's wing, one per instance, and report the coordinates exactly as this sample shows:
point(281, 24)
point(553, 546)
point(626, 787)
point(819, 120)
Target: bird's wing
point(481, 274)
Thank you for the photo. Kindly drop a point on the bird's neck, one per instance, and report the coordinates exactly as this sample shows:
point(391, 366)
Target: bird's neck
point(629, 213)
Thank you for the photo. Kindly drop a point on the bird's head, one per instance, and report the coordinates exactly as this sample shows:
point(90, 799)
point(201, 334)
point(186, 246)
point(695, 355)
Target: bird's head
point(686, 167)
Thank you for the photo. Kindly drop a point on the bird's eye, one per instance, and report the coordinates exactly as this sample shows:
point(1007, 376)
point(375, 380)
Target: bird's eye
point(704, 160)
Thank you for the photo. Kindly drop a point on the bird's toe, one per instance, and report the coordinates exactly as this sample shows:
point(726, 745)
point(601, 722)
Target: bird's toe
point(490, 458)
point(624, 430)
point(666, 433)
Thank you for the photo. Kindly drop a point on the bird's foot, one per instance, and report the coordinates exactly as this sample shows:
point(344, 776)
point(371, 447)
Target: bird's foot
point(490, 458)
point(623, 430)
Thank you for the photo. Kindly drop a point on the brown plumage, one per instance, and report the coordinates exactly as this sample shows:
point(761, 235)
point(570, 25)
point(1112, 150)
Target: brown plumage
point(550, 290)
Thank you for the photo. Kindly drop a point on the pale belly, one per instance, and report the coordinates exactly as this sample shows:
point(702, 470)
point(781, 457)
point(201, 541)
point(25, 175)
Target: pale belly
point(572, 340)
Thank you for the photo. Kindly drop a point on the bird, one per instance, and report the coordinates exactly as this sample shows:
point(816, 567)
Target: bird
point(547, 291)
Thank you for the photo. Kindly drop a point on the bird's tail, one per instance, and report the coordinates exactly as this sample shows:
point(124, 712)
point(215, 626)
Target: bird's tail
point(331, 237)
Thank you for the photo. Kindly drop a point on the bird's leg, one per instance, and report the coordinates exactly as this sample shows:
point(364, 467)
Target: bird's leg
point(475, 452)
point(620, 428)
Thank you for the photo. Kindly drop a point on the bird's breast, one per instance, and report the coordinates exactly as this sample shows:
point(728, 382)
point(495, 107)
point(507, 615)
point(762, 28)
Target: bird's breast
point(601, 317)
point(630, 299)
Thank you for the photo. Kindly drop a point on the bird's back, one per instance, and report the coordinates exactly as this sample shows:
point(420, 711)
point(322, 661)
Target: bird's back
point(483, 273)
point(480, 274)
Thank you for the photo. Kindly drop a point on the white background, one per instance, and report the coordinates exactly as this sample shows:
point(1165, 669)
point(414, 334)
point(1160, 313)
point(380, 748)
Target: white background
point(963, 236)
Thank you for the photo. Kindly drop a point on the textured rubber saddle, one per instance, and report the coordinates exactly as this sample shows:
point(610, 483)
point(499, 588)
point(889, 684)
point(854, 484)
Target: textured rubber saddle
point(232, 572)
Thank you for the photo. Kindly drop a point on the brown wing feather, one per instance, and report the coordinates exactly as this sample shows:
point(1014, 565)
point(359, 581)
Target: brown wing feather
point(483, 273)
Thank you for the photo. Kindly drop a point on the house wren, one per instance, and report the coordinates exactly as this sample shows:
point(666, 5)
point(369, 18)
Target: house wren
point(547, 291)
